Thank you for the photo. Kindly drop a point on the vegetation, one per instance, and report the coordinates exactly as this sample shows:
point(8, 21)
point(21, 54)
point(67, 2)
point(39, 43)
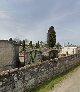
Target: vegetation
point(23, 45)
point(20, 42)
point(51, 37)
point(10, 39)
point(37, 45)
point(58, 45)
point(30, 44)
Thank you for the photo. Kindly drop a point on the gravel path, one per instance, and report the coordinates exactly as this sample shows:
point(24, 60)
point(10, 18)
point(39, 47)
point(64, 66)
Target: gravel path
point(71, 84)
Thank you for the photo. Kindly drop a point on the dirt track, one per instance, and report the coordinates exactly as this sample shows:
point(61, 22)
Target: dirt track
point(70, 84)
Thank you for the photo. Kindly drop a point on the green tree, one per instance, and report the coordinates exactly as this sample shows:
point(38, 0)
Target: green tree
point(38, 44)
point(30, 44)
point(58, 45)
point(20, 43)
point(17, 39)
point(51, 37)
point(23, 45)
point(26, 41)
point(10, 39)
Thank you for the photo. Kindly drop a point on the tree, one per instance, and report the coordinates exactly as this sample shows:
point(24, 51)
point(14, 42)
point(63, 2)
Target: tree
point(10, 39)
point(68, 43)
point(30, 44)
point(17, 39)
point(23, 45)
point(58, 45)
point(26, 41)
point(20, 43)
point(51, 37)
point(38, 44)
point(41, 42)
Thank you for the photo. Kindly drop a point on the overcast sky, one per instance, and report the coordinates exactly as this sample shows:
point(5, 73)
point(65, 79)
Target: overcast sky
point(32, 18)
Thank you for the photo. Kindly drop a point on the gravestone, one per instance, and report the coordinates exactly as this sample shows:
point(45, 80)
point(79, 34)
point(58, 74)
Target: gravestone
point(9, 53)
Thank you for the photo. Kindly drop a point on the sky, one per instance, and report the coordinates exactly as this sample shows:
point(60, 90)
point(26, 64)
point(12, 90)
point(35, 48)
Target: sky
point(31, 19)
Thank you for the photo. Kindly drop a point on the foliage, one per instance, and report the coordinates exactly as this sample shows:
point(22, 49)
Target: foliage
point(31, 57)
point(37, 45)
point(10, 39)
point(26, 41)
point(30, 44)
point(51, 37)
point(17, 39)
point(23, 45)
point(20, 43)
point(58, 45)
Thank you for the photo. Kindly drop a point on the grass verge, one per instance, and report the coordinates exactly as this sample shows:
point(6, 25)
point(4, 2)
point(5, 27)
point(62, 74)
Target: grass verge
point(48, 85)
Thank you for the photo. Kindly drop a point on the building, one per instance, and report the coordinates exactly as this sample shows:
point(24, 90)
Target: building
point(69, 50)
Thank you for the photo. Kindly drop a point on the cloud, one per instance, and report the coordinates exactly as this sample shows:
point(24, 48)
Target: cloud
point(32, 18)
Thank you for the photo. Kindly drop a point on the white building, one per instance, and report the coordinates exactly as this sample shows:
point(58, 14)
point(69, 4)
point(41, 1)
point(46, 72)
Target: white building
point(70, 50)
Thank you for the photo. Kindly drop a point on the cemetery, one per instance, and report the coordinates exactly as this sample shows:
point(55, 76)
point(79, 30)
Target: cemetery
point(41, 62)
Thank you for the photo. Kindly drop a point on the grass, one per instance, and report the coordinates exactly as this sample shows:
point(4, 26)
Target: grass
point(48, 85)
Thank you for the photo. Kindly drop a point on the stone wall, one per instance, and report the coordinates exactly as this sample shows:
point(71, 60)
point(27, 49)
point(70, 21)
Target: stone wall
point(28, 77)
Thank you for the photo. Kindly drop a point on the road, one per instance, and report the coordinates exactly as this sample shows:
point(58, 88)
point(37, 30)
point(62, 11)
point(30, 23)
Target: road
point(70, 84)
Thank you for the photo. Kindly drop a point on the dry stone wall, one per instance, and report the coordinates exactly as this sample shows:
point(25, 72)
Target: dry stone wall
point(28, 77)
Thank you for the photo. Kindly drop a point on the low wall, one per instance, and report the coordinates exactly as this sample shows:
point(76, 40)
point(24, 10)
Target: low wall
point(28, 77)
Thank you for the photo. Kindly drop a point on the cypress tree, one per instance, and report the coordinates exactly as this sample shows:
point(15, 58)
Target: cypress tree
point(58, 45)
point(51, 37)
point(23, 45)
point(30, 44)
point(38, 44)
